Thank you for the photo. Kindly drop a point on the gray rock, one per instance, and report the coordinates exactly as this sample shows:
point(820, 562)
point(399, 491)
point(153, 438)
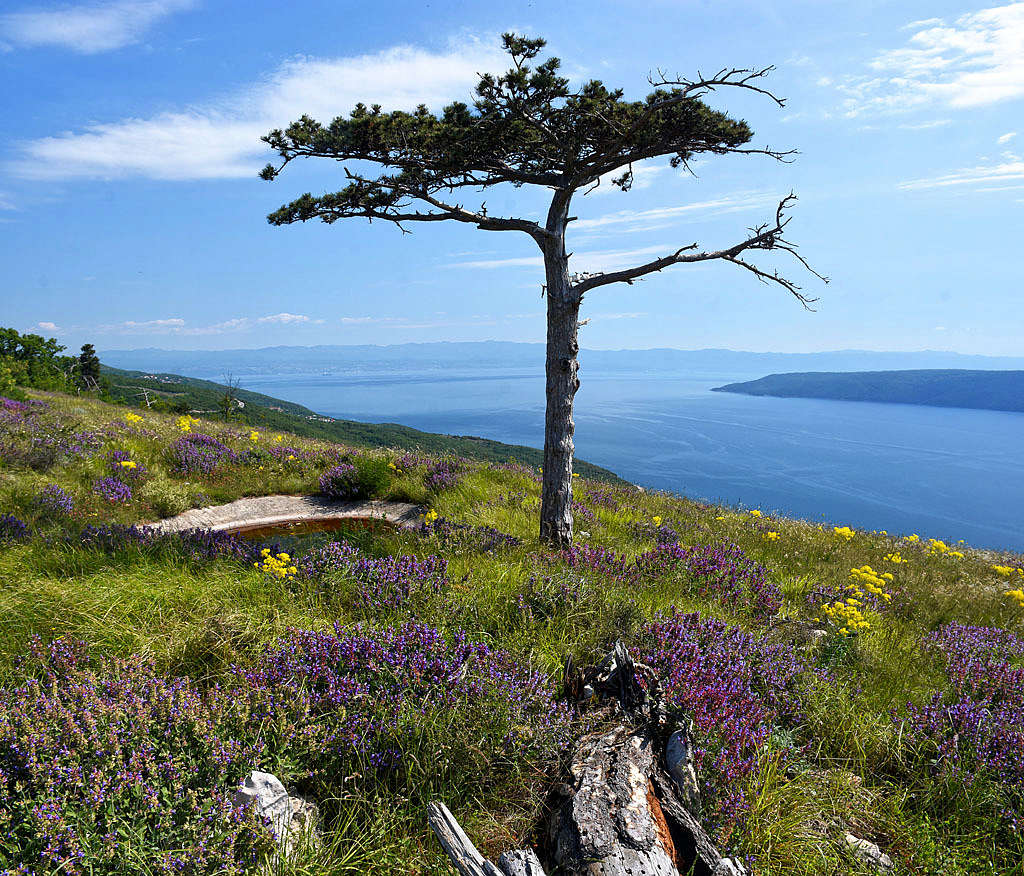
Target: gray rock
point(304, 827)
point(868, 853)
point(293, 820)
point(265, 792)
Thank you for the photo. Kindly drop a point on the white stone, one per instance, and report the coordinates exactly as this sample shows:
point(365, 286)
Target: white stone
point(271, 800)
point(869, 853)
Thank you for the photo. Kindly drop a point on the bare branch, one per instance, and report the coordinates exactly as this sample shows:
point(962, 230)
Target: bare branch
point(765, 237)
point(734, 78)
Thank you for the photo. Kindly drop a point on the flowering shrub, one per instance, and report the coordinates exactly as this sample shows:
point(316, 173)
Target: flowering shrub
point(975, 731)
point(53, 501)
point(442, 475)
point(451, 536)
point(735, 688)
point(124, 468)
point(195, 544)
point(603, 561)
point(113, 490)
point(88, 761)
point(385, 582)
point(277, 565)
point(12, 529)
point(367, 690)
point(723, 571)
point(197, 454)
point(341, 482)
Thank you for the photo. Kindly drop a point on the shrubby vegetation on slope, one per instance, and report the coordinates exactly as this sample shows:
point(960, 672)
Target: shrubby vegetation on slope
point(837, 680)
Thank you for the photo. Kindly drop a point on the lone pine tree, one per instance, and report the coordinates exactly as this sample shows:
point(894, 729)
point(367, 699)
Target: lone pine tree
point(529, 128)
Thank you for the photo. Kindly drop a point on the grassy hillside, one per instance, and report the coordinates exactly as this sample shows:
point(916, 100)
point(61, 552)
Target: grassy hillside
point(987, 390)
point(838, 680)
point(172, 392)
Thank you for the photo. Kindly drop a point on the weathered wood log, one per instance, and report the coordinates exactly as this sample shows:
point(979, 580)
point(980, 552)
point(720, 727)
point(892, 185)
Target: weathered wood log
point(611, 823)
point(460, 849)
point(521, 862)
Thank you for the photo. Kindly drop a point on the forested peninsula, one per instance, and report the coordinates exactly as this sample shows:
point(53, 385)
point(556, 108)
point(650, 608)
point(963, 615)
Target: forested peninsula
point(987, 390)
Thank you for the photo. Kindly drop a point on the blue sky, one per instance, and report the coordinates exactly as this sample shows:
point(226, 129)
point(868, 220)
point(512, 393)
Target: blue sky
point(131, 214)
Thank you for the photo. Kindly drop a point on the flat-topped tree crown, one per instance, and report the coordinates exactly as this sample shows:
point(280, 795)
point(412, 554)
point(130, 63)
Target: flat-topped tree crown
point(529, 127)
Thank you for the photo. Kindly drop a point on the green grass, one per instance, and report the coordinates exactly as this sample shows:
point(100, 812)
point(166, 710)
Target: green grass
point(846, 766)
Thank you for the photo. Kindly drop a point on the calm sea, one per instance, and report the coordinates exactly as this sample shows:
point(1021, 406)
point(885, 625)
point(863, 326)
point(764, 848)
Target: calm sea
point(942, 473)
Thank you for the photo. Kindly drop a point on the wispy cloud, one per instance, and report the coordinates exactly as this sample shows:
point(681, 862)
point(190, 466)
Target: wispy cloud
point(602, 316)
point(222, 138)
point(1006, 138)
point(663, 217)
point(976, 60)
point(288, 319)
point(604, 260)
point(49, 327)
point(644, 176)
point(6, 203)
point(179, 326)
point(1006, 174)
point(88, 28)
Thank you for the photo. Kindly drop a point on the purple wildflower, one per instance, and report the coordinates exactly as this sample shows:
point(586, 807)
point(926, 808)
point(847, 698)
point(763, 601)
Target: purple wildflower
point(113, 490)
point(199, 454)
point(52, 500)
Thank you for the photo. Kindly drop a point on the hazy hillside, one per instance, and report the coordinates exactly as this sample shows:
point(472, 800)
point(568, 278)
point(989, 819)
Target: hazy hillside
point(188, 394)
point(988, 390)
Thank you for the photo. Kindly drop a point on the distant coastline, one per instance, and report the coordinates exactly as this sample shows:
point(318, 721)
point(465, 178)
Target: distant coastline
point(946, 388)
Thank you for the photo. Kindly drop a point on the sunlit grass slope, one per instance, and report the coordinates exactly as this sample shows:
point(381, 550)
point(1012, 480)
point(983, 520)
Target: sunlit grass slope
point(840, 681)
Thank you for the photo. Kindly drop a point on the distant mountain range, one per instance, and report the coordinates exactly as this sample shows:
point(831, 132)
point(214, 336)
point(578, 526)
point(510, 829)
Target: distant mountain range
point(508, 357)
point(988, 390)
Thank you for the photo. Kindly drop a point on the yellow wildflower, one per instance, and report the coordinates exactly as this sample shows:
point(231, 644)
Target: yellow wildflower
point(771, 536)
point(896, 559)
point(132, 418)
point(657, 520)
point(756, 513)
point(430, 517)
point(1003, 571)
point(1018, 595)
point(254, 436)
point(844, 532)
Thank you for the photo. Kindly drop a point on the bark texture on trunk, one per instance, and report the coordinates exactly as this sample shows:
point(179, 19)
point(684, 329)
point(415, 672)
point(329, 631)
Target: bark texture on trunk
point(561, 367)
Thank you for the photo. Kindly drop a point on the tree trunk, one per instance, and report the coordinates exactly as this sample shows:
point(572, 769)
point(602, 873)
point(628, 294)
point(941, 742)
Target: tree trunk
point(561, 369)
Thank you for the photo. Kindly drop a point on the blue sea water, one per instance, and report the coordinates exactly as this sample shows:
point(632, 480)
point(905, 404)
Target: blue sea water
point(939, 472)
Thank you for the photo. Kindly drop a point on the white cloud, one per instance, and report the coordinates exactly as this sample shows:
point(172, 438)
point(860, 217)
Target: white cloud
point(583, 262)
point(97, 27)
point(49, 326)
point(644, 176)
point(976, 60)
point(1006, 138)
point(288, 319)
point(178, 326)
point(222, 138)
point(662, 217)
point(6, 203)
point(601, 316)
point(154, 325)
point(994, 176)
